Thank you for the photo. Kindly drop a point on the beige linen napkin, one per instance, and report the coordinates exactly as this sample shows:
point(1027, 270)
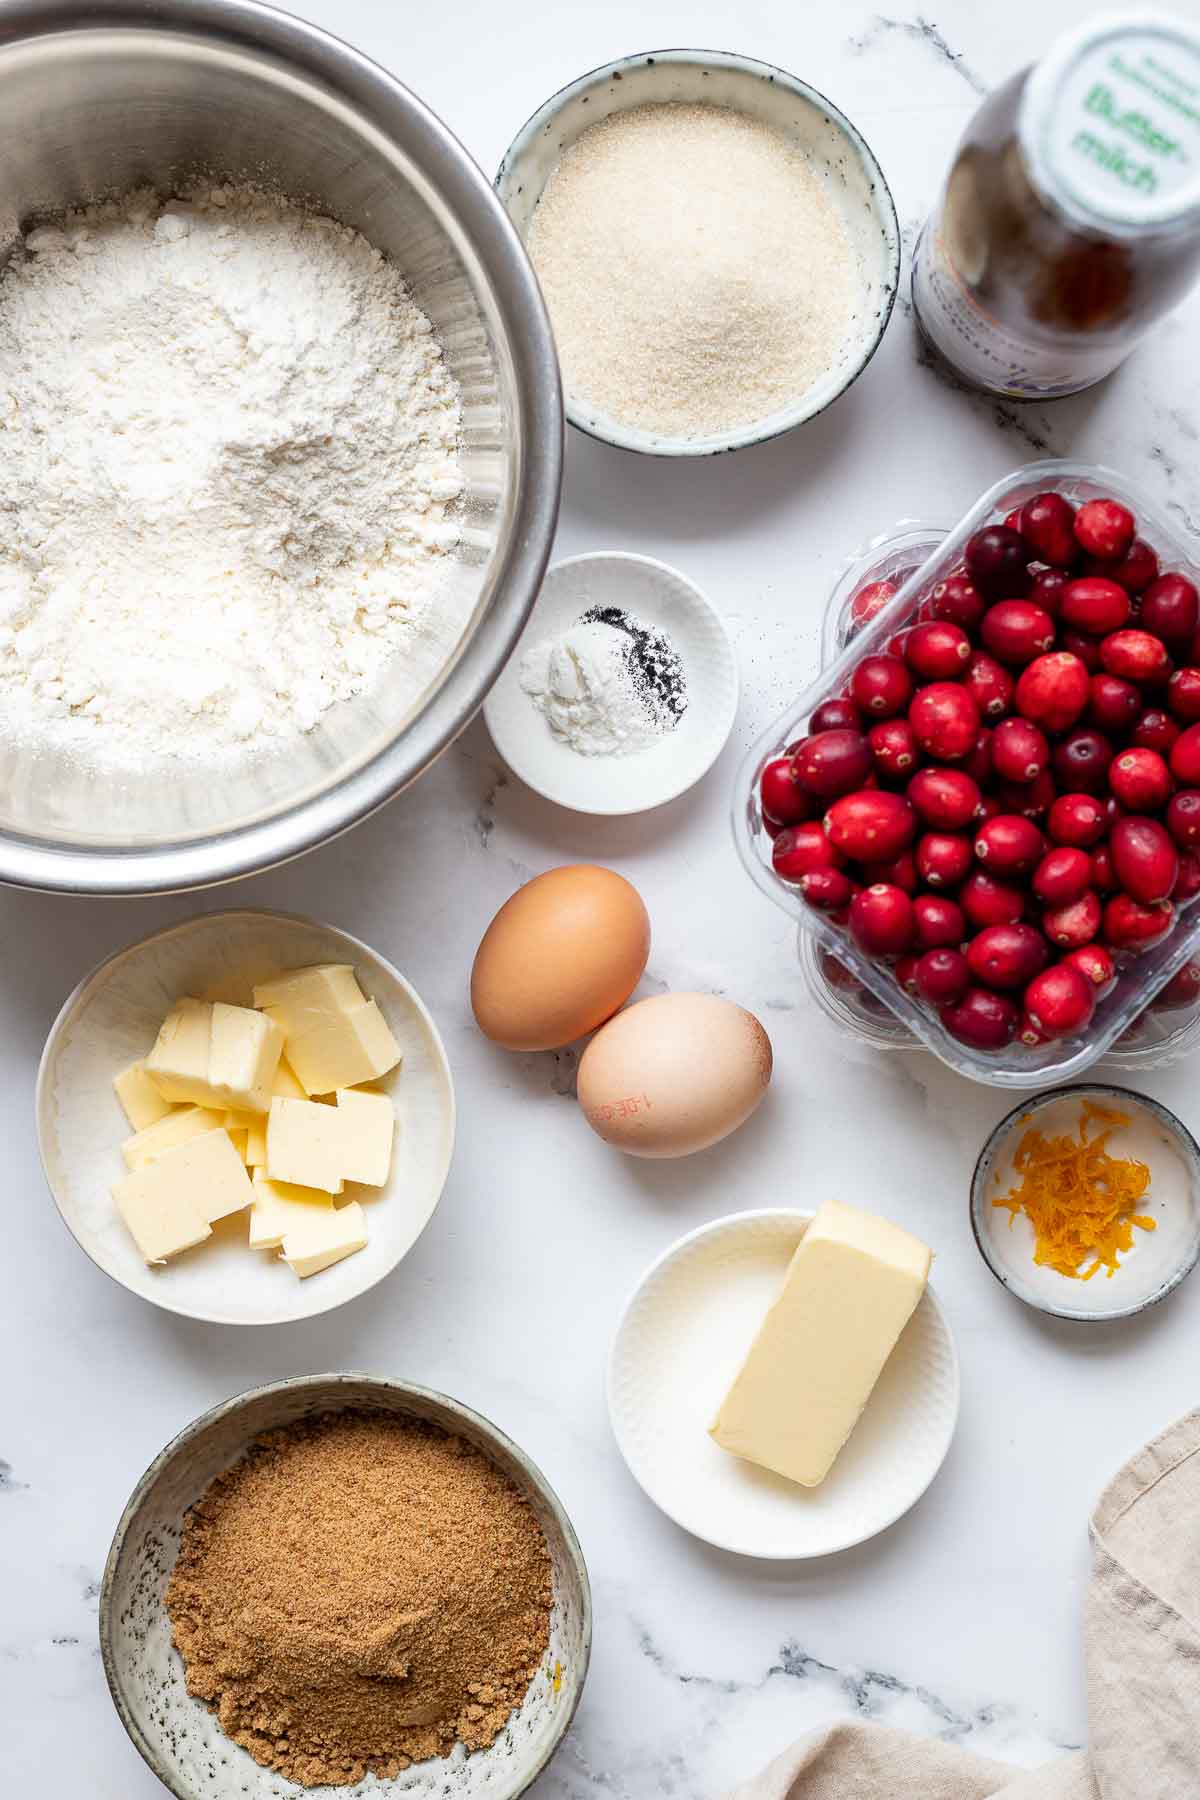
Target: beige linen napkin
point(1142, 1648)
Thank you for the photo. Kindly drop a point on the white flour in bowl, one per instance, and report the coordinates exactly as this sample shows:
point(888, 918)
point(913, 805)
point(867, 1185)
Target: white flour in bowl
point(228, 463)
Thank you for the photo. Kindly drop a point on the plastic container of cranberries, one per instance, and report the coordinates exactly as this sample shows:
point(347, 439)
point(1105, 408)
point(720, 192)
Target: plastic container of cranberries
point(1125, 1027)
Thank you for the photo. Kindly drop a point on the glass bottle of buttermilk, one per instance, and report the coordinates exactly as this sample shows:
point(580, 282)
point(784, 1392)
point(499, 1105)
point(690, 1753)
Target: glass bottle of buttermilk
point(1070, 220)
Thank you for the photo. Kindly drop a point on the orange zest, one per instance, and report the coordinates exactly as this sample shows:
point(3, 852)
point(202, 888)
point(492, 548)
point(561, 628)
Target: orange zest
point(1079, 1199)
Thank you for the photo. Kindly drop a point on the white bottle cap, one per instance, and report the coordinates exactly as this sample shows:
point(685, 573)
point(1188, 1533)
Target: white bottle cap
point(1110, 125)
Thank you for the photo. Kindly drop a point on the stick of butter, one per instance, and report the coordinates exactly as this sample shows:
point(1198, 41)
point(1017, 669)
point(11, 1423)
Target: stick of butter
point(851, 1288)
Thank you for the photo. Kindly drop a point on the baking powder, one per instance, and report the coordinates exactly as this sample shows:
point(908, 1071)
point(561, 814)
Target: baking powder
point(228, 448)
point(607, 686)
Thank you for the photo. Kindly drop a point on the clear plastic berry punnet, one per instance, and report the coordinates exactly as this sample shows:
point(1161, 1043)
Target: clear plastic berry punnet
point(869, 1002)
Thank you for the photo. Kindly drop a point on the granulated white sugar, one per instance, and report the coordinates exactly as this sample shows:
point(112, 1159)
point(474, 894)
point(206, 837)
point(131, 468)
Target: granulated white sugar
point(698, 272)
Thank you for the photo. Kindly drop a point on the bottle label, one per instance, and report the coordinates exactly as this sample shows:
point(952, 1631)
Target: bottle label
point(983, 350)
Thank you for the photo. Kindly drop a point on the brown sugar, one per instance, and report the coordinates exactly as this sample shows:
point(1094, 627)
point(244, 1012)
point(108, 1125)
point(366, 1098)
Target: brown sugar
point(358, 1593)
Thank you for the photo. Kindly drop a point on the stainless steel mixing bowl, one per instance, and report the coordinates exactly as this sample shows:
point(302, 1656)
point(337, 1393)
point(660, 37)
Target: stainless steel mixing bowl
point(98, 98)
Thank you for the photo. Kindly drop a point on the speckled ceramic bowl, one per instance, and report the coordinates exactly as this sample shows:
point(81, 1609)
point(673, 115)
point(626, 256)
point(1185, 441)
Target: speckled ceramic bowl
point(718, 78)
point(180, 1738)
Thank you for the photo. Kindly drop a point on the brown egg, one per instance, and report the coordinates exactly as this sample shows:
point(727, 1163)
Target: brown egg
point(674, 1074)
point(559, 958)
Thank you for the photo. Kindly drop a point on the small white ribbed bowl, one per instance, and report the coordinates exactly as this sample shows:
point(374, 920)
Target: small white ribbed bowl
point(720, 78)
point(679, 1345)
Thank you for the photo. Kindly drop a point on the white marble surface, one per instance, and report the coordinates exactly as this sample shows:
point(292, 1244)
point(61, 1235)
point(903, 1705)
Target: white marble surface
point(964, 1619)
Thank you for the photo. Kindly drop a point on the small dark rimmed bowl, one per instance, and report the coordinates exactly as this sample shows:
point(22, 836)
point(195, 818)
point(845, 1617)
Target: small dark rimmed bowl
point(180, 1739)
point(758, 89)
point(1159, 1260)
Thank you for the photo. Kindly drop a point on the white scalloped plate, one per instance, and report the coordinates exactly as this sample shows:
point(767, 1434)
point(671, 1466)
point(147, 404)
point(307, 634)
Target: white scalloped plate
point(678, 1347)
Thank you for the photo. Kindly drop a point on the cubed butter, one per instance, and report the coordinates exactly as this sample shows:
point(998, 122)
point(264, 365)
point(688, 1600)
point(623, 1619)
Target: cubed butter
point(244, 1051)
point(285, 1083)
point(251, 1129)
point(302, 998)
point(180, 1124)
point(851, 1288)
point(279, 1206)
point(369, 1121)
point(141, 1101)
point(343, 1050)
point(322, 1238)
point(162, 1222)
point(178, 1063)
point(306, 1144)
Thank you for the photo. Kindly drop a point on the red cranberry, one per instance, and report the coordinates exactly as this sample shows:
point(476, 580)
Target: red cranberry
point(1053, 691)
point(1182, 990)
point(1081, 761)
point(905, 971)
point(1104, 528)
point(1029, 1034)
point(881, 919)
point(1188, 885)
point(1076, 819)
point(938, 921)
point(1155, 730)
point(1019, 750)
point(1183, 694)
point(937, 651)
point(943, 859)
point(989, 685)
point(945, 719)
point(958, 600)
point(942, 976)
point(832, 763)
point(997, 561)
point(1009, 845)
point(1074, 924)
point(1140, 780)
point(1131, 924)
point(1171, 609)
point(947, 799)
point(1028, 798)
point(1183, 818)
point(802, 848)
point(979, 764)
point(1185, 757)
point(900, 872)
point(870, 600)
point(1047, 525)
point(1015, 631)
point(837, 714)
point(1135, 656)
point(893, 749)
point(881, 686)
point(1060, 1000)
point(1094, 961)
point(1104, 879)
point(1145, 860)
point(983, 1019)
point(1062, 875)
point(829, 890)
point(1135, 571)
point(1007, 956)
point(1095, 605)
point(783, 802)
point(986, 901)
point(872, 826)
point(1113, 704)
point(1079, 644)
point(1047, 590)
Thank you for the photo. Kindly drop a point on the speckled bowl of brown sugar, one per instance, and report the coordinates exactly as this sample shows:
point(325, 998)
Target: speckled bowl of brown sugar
point(180, 1736)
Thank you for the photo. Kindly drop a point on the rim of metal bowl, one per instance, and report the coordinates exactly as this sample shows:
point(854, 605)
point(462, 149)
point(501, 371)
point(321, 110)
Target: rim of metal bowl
point(396, 112)
point(985, 1162)
point(456, 1410)
point(789, 418)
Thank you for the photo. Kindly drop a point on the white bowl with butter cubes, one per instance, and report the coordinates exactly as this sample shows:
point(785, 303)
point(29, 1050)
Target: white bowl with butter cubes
point(784, 1384)
point(247, 1118)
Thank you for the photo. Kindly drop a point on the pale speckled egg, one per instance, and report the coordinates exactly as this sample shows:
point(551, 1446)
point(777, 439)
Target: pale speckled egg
point(559, 958)
point(674, 1074)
